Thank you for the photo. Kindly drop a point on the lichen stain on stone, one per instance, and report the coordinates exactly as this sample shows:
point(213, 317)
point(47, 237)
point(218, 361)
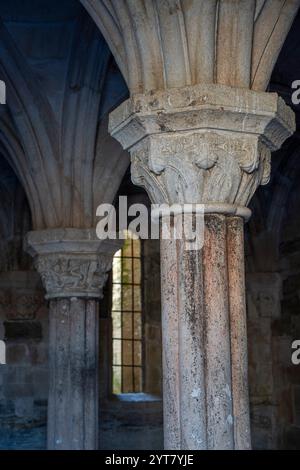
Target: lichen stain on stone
point(227, 390)
point(230, 420)
point(196, 393)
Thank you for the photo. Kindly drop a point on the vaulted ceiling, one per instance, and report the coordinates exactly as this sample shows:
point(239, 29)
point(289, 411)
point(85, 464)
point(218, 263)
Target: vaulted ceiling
point(61, 82)
point(54, 59)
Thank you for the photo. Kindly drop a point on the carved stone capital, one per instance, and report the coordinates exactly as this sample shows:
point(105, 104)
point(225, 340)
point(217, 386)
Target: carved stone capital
point(71, 262)
point(208, 144)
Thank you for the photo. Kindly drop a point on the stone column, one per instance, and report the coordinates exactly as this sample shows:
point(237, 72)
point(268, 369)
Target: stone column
point(73, 265)
point(211, 145)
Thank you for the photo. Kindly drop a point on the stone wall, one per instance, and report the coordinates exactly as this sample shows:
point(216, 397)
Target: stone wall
point(23, 323)
point(273, 287)
point(286, 329)
point(24, 319)
point(263, 302)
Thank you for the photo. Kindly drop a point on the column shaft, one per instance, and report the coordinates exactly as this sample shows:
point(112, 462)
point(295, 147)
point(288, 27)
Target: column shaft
point(73, 370)
point(205, 373)
point(217, 335)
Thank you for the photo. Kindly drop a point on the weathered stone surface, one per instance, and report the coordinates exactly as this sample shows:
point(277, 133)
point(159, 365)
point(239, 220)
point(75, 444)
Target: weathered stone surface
point(238, 332)
point(220, 425)
point(21, 330)
point(74, 374)
point(17, 353)
point(160, 45)
point(24, 316)
point(206, 403)
point(265, 290)
point(71, 262)
point(207, 144)
point(74, 266)
point(272, 377)
point(21, 295)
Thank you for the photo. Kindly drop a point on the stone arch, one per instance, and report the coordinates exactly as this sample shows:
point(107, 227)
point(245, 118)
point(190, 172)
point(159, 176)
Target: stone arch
point(158, 45)
point(55, 156)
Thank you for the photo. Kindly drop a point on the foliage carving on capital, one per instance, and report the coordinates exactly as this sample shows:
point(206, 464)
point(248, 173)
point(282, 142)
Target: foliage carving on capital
point(72, 276)
point(71, 262)
point(201, 167)
point(206, 144)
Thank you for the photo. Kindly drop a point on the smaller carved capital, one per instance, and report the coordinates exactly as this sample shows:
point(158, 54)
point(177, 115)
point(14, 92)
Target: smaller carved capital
point(71, 262)
point(207, 144)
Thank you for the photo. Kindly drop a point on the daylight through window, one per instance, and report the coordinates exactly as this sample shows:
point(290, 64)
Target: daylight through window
point(127, 318)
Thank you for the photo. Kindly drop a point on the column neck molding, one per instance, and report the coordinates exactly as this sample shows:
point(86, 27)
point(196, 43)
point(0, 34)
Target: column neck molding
point(208, 144)
point(71, 262)
point(222, 209)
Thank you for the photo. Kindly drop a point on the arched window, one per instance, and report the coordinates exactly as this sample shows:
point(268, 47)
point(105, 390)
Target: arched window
point(127, 376)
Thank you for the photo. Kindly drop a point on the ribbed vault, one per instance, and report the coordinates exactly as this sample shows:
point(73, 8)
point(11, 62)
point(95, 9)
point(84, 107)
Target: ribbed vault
point(51, 130)
point(171, 43)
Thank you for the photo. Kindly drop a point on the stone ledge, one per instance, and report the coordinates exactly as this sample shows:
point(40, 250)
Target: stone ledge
point(202, 107)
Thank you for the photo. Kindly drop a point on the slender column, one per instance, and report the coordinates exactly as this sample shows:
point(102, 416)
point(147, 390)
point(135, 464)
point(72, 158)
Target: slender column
point(73, 265)
point(206, 404)
point(209, 145)
point(74, 374)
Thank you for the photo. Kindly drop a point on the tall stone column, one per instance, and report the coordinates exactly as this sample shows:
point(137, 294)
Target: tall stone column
point(73, 265)
point(211, 145)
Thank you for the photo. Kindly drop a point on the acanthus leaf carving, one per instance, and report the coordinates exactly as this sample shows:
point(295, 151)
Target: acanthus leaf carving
point(203, 166)
point(202, 152)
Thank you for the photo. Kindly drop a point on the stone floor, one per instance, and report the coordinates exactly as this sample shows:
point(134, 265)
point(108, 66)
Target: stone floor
point(129, 421)
point(23, 439)
point(114, 435)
